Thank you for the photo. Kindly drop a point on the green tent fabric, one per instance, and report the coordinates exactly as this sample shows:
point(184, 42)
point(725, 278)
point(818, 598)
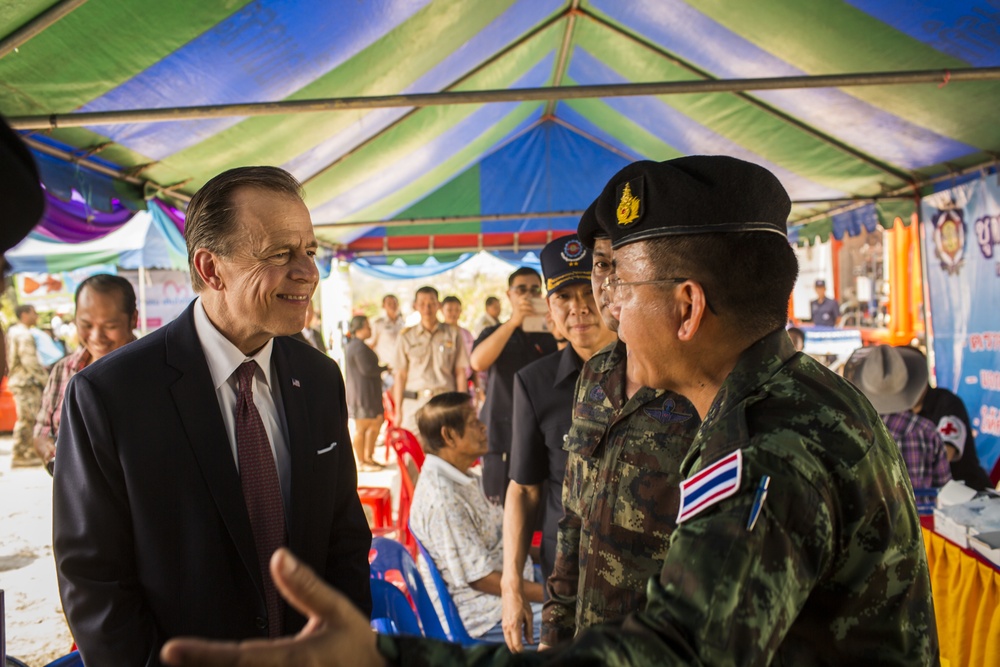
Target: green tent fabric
point(487, 164)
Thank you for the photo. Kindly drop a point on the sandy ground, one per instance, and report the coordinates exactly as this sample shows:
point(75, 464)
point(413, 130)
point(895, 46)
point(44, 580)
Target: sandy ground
point(36, 628)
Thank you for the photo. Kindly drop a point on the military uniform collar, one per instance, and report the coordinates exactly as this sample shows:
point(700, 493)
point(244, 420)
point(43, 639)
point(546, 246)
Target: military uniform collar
point(721, 432)
point(608, 357)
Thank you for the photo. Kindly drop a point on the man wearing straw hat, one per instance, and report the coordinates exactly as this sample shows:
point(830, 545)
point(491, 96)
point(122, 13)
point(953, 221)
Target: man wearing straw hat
point(894, 379)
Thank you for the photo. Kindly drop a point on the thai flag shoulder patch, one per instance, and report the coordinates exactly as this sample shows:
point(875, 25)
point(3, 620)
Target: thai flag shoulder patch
point(716, 482)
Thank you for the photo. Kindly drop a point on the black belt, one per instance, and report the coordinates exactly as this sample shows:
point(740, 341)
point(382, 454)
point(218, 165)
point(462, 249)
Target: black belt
point(423, 393)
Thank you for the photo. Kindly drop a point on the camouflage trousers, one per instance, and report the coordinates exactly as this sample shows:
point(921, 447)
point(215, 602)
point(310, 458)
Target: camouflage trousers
point(28, 401)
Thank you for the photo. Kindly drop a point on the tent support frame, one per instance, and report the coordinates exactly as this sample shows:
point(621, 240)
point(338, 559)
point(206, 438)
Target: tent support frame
point(174, 114)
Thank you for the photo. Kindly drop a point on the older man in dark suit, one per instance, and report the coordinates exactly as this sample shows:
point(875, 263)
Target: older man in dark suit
point(189, 456)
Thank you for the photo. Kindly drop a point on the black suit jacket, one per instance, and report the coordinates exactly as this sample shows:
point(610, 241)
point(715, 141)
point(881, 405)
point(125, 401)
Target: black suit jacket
point(151, 533)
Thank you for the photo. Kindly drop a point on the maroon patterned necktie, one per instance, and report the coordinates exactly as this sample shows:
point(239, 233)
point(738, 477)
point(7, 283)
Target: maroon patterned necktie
point(261, 491)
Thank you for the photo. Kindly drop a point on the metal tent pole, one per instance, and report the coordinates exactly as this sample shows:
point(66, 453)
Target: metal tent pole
point(95, 118)
point(35, 26)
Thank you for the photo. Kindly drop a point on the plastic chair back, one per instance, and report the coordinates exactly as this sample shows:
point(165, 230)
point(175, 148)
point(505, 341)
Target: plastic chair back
point(69, 660)
point(404, 442)
point(387, 557)
point(389, 408)
point(410, 459)
point(391, 613)
point(456, 628)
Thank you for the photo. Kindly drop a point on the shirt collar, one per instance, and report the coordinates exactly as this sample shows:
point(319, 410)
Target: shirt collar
point(222, 356)
point(608, 357)
point(79, 359)
point(756, 365)
point(437, 464)
point(570, 364)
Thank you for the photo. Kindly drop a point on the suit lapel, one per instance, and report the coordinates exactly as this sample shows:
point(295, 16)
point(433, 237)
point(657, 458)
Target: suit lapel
point(301, 444)
point(196, 402)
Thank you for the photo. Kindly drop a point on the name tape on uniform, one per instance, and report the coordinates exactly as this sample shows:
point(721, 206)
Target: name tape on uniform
point(716, 482)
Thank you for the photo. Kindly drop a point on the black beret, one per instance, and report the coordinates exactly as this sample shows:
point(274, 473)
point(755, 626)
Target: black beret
point(20, 192)
point(589, 229)
point(565, 261)
point(698, 194)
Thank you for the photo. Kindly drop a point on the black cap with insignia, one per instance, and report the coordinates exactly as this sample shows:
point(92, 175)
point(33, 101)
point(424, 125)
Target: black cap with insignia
point(697, 194)
point(589, 229)
point(565, 261)
point(20, 192)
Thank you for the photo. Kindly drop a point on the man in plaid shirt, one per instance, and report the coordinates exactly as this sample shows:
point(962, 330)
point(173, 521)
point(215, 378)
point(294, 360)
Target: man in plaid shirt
point(105, 317)
point(922, 448)
point(894, 379)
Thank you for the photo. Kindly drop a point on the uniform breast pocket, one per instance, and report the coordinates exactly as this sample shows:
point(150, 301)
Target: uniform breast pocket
point(418, 352)
point(448, 354)
point(645, 508)
point(584, 435)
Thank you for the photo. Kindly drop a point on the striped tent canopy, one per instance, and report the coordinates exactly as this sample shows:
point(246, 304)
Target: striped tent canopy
point(378, 106)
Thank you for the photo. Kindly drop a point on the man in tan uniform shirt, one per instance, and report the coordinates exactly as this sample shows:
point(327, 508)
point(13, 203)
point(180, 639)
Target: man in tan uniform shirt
point(430, 360)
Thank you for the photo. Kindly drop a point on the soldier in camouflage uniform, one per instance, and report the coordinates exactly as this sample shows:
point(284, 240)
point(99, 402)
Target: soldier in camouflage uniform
point(620, 492)
point(798, 541)
point(620, 495)
point(26, 380)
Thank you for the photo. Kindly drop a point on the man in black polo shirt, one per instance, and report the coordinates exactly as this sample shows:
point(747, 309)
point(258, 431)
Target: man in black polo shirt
point(543, 412)
point(503, 350)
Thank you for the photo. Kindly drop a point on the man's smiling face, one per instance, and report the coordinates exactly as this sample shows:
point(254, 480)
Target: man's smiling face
point(272, 272)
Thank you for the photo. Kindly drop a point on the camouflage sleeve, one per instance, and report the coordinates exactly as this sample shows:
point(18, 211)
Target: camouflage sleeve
point(731, 593)
point(559, 615)
point(726, 595)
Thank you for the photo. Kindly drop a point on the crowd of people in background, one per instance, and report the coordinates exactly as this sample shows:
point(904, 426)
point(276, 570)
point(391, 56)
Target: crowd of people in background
point(931, 425)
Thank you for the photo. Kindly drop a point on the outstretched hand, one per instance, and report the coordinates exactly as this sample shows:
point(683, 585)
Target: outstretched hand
point(335, 634)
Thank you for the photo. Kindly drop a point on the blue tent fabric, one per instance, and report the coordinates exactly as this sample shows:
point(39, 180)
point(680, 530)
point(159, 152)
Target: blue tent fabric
point(399, 270)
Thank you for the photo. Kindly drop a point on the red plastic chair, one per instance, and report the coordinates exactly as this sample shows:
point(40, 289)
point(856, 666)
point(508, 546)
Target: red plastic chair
point(378, 501)
point(389, 408)
point(389, 411)
point(410, 458)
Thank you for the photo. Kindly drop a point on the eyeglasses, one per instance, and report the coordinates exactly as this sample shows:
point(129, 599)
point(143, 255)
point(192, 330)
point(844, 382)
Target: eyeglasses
point(613, 284)
point(524, 289)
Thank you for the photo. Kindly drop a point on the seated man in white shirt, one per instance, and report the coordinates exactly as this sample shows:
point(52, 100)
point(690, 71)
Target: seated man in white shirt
point(461, 530)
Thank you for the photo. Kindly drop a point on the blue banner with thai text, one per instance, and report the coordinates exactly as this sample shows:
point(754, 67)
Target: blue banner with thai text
point(960, 230)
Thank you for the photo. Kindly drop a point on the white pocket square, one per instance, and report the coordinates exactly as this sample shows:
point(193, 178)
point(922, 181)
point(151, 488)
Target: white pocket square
point(327, 449)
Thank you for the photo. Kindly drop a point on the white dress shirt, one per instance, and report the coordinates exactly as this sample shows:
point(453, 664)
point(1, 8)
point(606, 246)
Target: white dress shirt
point(223, 359)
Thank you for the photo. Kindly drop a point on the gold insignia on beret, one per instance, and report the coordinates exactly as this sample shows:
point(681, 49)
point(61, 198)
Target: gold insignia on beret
point(628, 207)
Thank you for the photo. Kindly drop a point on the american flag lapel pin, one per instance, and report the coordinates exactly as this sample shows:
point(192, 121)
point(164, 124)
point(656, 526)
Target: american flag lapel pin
point(296, 383)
